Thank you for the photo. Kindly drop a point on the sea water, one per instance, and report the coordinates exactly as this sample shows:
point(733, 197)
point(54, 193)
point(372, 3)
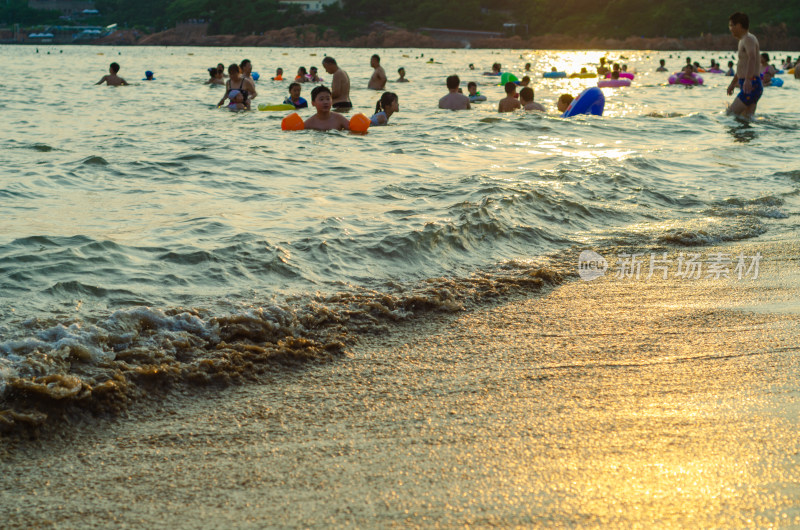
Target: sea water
point(144, 231)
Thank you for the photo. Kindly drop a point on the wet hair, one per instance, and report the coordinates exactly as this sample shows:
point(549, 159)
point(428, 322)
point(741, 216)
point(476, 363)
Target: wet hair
point(387, 98)
point(292, 85)
point(213, 71)
point(114, 67)
point(472, 83)
point(527, 66)
point(233, 69)
point(565, 99)
point(740, 18)
point(526, 94)
point(312, 68)
point(376, 57)
point(526, 79)
point(496, 66)
point(584, 70)
point(624, 67)
point(616, 67)
point(730, 64)
point(302, 70)
point(329, 60)
point(244, 63)
point(510, 87)
point(401, 69)
point(663, 62)
point(319, 90)
point(615, 74)
point(453, 81)
point(553, 69)
point(688, 60)
point(765, 56)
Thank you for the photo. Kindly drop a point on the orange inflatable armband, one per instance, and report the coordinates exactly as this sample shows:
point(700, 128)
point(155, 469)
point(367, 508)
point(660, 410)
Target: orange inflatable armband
point(293, 122)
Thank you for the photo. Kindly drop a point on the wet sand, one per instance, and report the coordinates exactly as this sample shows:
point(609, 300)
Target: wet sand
point(634, 403)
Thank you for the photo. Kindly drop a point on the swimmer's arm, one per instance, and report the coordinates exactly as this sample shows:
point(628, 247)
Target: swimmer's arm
point(103, 80)
point(252, 89)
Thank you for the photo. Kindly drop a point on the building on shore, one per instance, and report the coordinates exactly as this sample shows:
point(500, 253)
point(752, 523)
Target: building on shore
point(310, 6)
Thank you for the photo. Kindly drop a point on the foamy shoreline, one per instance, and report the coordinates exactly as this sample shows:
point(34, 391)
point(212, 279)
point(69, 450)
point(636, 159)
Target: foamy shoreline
point(609, 402)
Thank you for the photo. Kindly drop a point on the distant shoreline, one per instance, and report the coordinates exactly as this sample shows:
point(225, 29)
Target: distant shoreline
point(312, 36)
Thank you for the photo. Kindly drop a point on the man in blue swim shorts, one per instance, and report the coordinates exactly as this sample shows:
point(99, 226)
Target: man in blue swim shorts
point(746, 70)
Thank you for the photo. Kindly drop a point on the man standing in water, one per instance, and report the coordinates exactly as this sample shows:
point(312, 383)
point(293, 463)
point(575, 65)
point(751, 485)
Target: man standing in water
point(340, 85)
point(112, 79)
point(378, 79)
point(746, 70)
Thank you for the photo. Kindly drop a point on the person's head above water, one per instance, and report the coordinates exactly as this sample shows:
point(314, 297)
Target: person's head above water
point(319, 90)
point(472, 87)
point(114, 68)
point(662, 62)
point(148, 75)
point(453, 81)
point(526, 94)
point(386, 103)
point(510, 88)
point(564, 102)
point(233, 70)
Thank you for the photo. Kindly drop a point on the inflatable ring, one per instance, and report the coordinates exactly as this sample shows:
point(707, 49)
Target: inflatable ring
point(554, 75)
point(673, 79)
point(587, 75)
point(716, 71)
point(613, 83)
point(283, 106)
point(590, 101)
point(622, 75)
point(508, 77)
point(776, 82)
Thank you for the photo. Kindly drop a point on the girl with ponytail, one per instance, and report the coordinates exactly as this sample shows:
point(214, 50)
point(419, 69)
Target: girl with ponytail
point(385, 107)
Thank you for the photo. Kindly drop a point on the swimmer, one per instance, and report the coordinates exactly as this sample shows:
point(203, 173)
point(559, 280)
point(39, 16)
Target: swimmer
point(237, 100)
point(688, 74)
point(402, 73)
point(148, 76)
point(294, 97)
point(474, 96)
point(525, 81)
point(302, 75)
point(221, 68)
point(312, 75)
point(246, 67)
point(215, 77)
point(527, 67)
point(495, 70)
point(324, 119)
point(602, 69)
point(564, 101)
point(278, 75)
point(471, 66)
point(112, 79)
point(767, 70)
point(510, 103)
point(453, 100)
point(340, 85)
point(730, 71)
point(526, 100)
point(746, 77)
point(236, 81)
point(386, 106)
point(662, 67)
point(378, 79)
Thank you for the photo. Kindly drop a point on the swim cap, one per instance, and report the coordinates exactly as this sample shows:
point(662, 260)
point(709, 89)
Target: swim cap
point(148, 73)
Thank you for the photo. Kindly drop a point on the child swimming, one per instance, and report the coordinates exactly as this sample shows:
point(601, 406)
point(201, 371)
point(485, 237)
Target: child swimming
point(324, 119)
point(474, 96)
point(294, 97)
point(386, 106)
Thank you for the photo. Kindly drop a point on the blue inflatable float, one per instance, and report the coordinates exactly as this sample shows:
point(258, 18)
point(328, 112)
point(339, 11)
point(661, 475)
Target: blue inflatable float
point(590, 101)
point(776, 82)
point(554, 75)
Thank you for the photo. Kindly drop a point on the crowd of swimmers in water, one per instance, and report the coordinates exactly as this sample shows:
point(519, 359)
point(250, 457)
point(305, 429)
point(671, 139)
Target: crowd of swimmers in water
point(240, 87)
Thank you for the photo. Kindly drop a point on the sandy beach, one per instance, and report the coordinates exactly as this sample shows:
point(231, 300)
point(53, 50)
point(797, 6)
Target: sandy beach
point(614, 402)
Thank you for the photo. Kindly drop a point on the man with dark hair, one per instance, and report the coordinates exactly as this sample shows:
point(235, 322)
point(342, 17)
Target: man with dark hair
point(112, 79)
point(746, 69)
point(378, 79)
point(340, 85)
point(454, 100)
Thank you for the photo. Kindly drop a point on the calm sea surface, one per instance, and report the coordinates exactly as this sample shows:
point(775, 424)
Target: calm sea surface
point(138, 223)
